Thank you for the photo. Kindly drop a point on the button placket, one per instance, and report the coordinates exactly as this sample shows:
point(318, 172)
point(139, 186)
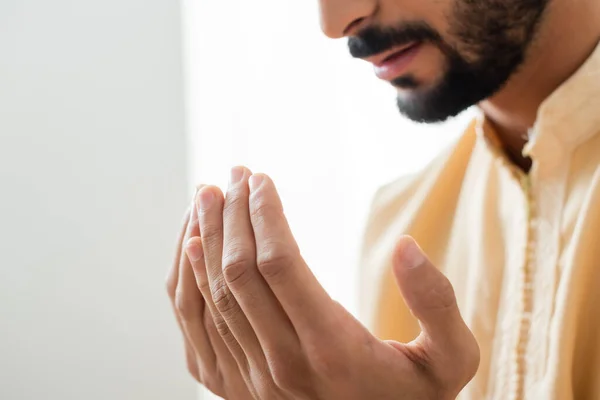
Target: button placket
point(519, 379)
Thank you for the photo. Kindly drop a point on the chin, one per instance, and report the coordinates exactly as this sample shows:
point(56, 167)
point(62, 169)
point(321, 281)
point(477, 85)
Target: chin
point(428, 106)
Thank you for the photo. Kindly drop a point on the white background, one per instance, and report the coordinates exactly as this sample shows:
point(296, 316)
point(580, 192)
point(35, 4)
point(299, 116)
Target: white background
point(93, 186)
point(268, 90)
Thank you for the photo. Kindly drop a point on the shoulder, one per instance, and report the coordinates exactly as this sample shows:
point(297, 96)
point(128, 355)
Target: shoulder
point(422, 205)
point(401, 201)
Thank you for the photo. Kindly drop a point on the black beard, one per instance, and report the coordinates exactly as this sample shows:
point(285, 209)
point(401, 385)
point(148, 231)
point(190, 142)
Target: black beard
point(492, 39)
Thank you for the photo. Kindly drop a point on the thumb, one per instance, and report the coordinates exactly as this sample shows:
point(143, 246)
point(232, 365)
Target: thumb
point(445, 338)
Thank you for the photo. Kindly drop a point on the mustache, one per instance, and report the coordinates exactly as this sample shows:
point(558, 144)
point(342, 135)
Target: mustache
point(374, 40)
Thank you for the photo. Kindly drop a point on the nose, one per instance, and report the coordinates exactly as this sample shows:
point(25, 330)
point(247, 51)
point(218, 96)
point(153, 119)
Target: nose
point(341, 18)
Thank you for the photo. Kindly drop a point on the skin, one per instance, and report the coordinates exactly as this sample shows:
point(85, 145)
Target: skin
point(255, 321)
point(257, 324)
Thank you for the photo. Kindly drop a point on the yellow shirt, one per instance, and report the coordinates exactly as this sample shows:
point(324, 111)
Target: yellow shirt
point(522, 251)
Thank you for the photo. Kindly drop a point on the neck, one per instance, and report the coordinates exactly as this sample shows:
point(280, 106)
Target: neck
point(568, 34)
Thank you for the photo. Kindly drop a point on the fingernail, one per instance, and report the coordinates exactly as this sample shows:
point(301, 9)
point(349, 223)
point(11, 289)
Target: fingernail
point(237, 173)
point(411, 256)
point(255, 181)
point(193, 250)
point(205, 199)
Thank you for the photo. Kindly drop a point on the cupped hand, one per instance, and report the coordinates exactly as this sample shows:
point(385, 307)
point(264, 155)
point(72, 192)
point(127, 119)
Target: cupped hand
point(257, 324)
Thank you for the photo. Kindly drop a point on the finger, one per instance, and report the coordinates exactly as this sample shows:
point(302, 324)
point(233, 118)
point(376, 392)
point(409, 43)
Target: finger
point(173, 273)
point(190, 305)
point(231, 379)
point(231, 323)
point(304, 300)
point(430, 297)
point(190, 354)
point(194, 249)
point(172, 278)
point(256, 299)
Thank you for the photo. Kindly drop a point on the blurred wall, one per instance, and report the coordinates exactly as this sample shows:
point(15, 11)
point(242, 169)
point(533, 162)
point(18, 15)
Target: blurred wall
point(93, 186)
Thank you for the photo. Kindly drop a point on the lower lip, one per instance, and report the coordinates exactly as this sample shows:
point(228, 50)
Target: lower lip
point(395, 66)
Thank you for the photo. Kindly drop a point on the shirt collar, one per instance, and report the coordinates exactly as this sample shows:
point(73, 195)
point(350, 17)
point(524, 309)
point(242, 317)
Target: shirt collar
point(570, 115)
point(566, 119)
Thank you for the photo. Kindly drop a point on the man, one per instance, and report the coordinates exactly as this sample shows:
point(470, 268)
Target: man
point(510, 214)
